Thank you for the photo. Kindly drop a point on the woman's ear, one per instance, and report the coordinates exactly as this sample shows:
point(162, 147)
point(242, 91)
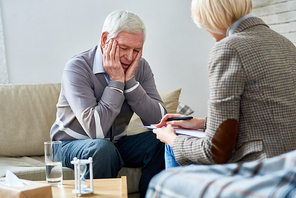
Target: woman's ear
point(104, 39)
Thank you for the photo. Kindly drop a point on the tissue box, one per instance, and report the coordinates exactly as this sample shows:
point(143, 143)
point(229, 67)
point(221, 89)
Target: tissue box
point(31, 190)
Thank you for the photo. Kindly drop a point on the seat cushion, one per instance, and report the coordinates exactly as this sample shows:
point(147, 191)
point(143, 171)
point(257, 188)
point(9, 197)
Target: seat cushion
point(30, 168)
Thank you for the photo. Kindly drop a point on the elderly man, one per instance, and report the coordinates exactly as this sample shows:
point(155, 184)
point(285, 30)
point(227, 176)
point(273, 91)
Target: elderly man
point(101, 89)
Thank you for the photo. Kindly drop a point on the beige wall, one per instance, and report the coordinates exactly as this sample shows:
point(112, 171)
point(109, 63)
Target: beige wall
point(280, 15)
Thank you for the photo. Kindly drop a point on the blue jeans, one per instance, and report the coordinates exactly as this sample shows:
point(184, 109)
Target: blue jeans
point(141, 150)
point(169, 157)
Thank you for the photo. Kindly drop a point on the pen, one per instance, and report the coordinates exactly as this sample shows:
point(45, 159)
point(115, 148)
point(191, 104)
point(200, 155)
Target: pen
point(180, 118)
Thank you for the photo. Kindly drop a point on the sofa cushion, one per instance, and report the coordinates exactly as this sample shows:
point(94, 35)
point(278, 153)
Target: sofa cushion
point(27, 114)
point(133, 178)
point(30, 168)
point(184, 109)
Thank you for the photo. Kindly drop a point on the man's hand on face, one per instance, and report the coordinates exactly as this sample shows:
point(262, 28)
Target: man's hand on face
point(111, 61)
point(130, 72)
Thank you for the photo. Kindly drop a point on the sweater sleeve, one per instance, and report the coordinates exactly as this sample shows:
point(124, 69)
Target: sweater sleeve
point(142, 95)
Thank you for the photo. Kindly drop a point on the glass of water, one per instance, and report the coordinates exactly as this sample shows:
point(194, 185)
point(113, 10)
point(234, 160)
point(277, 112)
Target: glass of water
point(53, 162)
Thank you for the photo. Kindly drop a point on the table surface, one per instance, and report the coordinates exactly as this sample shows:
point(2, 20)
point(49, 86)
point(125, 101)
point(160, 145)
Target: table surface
point(108, 188)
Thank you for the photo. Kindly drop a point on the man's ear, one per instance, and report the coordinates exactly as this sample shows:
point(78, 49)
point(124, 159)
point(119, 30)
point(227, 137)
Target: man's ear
point(104, 38)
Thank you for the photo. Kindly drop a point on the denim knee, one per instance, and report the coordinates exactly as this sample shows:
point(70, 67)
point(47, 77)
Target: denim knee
point(101, 150)
point(96, 147)
point(106, 158)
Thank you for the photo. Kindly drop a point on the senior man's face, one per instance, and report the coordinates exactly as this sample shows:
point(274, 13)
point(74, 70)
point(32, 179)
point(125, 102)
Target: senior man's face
point(129, 46)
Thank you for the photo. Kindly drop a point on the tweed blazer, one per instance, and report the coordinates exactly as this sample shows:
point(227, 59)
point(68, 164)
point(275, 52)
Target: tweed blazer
point(252, 101)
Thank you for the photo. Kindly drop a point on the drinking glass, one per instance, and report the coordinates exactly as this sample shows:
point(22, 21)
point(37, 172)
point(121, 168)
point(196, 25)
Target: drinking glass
point(53, 162)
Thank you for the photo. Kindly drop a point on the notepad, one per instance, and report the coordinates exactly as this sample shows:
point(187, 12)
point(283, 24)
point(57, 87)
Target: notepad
point(190, 132)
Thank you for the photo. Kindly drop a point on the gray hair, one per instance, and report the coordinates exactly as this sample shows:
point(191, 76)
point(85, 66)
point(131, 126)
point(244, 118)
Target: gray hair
point(123, 21)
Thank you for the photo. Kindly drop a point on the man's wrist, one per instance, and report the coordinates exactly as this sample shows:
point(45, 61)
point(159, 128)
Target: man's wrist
point(118, 79)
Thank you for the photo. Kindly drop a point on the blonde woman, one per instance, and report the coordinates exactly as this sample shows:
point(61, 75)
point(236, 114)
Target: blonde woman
point(252, 105)
point(251, 112)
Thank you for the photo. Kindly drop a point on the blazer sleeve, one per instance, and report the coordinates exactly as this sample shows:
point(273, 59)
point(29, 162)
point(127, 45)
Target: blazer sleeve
point(225, 87)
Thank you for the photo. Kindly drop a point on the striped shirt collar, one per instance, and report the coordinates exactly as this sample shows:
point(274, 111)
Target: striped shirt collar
point(233, 27)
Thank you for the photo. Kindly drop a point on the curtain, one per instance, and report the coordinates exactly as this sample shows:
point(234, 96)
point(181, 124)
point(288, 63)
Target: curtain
point(3, 66)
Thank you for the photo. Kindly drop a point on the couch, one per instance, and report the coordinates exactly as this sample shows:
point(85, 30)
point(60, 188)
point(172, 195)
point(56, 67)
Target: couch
point(27, 113)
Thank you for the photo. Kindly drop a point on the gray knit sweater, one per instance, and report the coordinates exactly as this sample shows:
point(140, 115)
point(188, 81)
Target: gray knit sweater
point(90, 108)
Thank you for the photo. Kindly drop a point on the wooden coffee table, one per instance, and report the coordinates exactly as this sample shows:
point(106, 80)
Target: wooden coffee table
point(115, 187)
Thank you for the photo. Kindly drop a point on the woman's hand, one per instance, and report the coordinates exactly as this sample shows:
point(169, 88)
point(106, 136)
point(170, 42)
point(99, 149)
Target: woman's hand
point(194, 123)
point(166, 135)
